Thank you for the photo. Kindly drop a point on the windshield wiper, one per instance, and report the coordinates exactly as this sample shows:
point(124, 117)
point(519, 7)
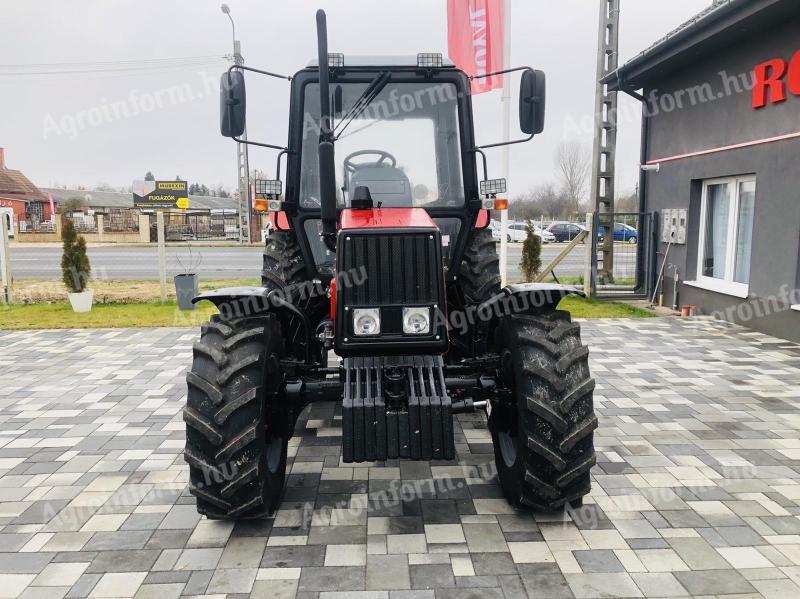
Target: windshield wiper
point(364, 100)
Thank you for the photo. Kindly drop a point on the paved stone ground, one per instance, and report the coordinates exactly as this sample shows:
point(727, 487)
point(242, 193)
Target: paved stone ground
point(696, 491)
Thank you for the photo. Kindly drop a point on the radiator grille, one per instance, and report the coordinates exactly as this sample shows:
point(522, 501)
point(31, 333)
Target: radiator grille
point(400, 269)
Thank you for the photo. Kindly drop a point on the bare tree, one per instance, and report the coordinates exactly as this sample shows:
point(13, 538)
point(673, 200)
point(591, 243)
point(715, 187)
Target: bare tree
point(544, 201)
point(574, 164)
point(627, 202)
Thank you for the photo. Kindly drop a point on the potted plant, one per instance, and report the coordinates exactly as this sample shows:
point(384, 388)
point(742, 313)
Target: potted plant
point(187, 285)
point(75, 268)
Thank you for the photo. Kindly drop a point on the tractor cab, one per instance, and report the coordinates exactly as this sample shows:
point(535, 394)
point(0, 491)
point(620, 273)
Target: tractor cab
point(381, 291)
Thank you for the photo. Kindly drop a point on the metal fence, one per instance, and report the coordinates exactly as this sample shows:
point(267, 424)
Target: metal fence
point(83, 223)
point(120, 220)
point(622, 252)
point(192, 227)
point(28, 226)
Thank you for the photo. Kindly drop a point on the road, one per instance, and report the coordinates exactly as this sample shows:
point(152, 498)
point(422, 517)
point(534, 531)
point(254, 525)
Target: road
point(141, 263)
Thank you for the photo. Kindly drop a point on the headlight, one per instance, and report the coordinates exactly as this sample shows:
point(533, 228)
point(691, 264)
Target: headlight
point(416, 321)
point(366, 321)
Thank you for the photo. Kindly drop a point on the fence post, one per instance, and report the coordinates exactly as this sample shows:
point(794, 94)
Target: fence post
point(144, 228)
point(587, 266)
point(100, 226)
point(5, 263)
point(162, 255)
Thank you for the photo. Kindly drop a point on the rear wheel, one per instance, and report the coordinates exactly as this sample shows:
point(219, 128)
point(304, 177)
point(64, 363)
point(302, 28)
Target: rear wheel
point(236, 432)
point(479, 272)
point(543, 433)
point(283, 261)
point(478, 281)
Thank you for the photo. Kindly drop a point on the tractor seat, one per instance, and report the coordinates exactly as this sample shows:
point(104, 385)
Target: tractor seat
point(387, 184)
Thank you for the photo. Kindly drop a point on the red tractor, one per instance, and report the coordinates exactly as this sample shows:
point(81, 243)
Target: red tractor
point(380, 254)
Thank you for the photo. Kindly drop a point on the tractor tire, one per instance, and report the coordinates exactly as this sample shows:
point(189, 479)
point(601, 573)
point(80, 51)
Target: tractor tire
point(479, 272)
point(543, 436)
point(236, 441)
point(479, 280)
point(283, 261)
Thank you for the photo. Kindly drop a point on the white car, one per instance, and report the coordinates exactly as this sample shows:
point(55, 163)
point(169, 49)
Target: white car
point(517, 232)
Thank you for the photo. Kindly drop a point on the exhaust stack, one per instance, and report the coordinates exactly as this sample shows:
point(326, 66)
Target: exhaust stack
point(327, 164)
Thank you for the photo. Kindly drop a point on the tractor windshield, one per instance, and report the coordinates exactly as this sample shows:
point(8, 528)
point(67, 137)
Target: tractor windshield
point(402, 143)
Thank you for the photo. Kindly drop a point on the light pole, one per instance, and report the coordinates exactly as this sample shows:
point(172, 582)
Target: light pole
point(242, 159)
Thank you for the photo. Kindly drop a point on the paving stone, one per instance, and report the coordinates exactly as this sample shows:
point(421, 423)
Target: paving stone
point(659, 585)
point(226, 581)
point(159, 591)
point(530, 553)
point(341, 578)
point(590, 586)
point(485, 538)
point(406, 544)
point(388, 572)
point(345, 555)
point(118, 585)
point(61, 574)
point(714, 582)
point(433, 576)
point(547, 586)
point(598, 560)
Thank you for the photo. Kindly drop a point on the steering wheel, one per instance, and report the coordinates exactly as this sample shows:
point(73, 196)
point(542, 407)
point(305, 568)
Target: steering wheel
point(350, 167)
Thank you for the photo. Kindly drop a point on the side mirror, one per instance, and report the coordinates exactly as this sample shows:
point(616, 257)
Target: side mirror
point(532, 95)
point(232, 104)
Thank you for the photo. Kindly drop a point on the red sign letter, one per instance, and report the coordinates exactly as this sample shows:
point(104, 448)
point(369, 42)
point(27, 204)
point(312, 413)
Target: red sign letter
point(794, 74)
point(768, 78)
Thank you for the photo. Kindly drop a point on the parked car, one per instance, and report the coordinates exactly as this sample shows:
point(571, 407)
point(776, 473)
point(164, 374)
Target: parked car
point(547, 236)
point(518, 232)
point(565, 231)
point(622, 232)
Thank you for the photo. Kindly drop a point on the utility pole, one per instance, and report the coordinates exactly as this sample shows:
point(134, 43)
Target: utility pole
point(605, 135)
point(242, 159)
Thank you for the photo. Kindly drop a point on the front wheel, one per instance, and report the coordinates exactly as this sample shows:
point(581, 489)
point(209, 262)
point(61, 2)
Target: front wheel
point(543, 432)
point(633, 240)
point(236, 426)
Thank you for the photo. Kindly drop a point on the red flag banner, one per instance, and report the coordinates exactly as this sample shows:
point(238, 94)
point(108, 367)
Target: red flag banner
point(475, 40)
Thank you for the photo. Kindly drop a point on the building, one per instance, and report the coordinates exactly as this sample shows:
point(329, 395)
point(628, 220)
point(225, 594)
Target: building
point(20, 200)
point(721, 141)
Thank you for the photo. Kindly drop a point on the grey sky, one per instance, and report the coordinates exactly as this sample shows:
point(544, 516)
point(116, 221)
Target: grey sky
point(48, 134)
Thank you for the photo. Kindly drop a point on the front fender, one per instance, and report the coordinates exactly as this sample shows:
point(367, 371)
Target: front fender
point(528, 298)
point(235, 302)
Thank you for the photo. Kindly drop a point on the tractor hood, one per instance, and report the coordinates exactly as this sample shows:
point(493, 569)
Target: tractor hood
point(386, 218)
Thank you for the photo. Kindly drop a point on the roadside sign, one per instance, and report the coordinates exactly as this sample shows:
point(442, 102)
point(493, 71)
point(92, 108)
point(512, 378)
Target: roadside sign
point(160, 195)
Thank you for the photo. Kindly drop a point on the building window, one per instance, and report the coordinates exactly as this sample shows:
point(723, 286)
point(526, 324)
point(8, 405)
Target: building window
point(726, 235)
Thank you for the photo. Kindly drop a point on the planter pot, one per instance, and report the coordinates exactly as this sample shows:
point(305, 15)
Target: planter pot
point(81, 302)
point(186, 288)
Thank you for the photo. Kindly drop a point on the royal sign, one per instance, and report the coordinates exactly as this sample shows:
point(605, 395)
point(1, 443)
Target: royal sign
point(773, 78)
